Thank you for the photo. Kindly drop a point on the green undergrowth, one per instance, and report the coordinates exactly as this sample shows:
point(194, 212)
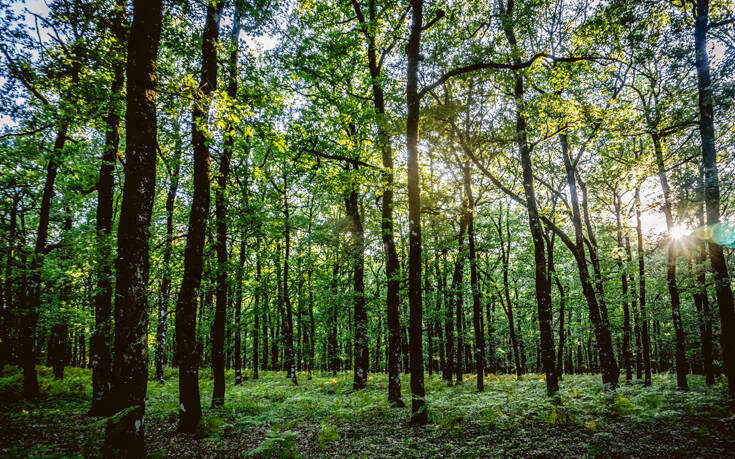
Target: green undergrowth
point(324, 416)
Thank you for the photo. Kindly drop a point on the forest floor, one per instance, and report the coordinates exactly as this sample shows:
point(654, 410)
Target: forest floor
point(323, 417)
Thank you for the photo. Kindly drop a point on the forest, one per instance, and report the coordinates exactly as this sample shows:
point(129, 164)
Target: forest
point(367, 228)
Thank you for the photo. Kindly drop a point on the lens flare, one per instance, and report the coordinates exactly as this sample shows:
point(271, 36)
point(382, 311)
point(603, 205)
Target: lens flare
point(678, 232)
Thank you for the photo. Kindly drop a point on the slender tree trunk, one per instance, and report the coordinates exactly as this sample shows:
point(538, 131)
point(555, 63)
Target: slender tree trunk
point(701, 299)
point(30, 310)
point(220, 312)
point(190, 410)
point(332, 356)
point(723, 288)
point(419, 415)
point(289, 362)
point(257, 312)
point(100, 350)
point(457, 295)
point(125, 433)
point(624, 286)
point(636, 315)
point(238, 317)
point(601, 327)
point(543, 284)
point(681, 360)
point(358, 266)
point(168, 250)
point(479, 353)
point(645, 339)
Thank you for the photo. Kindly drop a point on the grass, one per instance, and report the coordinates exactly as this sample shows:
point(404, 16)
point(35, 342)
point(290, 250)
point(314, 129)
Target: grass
point(325, 418)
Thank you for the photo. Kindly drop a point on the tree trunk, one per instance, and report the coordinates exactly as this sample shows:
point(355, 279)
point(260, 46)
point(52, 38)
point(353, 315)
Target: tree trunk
point(288, 325)
point(479, 353)
point(419, 415)
point(645, 339)
point(190, 410)
point(624, 286)
point(681, 359)
point(701, 299)
point(712, 193)
point(125, 433)
point(543, 284)
point(30, 309)
point(332, 356)
point(601, 327)
point(100, 351)
point(358, 266)
point(257, 312)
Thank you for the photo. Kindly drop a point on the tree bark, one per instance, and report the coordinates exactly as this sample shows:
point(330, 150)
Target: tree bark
point(712, 192)
point(601, 327)
point(190, 409)
point(645, 339)
point(30, 309)
point(125, 433)
point(671, 246)
point(624, 288)
point(479, 353)
point(100, 351)
point(358, 267)
point(419, 415)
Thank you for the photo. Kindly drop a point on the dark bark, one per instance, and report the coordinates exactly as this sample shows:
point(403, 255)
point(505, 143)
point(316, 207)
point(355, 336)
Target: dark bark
point(543, 284)
point(125, 433)
point(701, 300)
point(479, 351)
point(419, 415)
point(289, 362)
point(601, 327)
point(30, 308)
point(624, 288)
point(332, 356)
point(100, 350)
point(645, 339)
point(712, 192)
point(190, 409)
point(673, 286)
point(358, 267)
point(165, 292)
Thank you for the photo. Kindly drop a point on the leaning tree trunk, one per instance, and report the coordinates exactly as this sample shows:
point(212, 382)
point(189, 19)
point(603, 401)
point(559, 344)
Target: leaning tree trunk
point(712, 192)
point(100, 350)
point(601, 327)
point(30, 309)
point(125, 432)
point(681, 359)
point(543, 284)
point(190, 409)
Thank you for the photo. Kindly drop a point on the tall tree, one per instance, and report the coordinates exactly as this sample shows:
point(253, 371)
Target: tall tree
point(723, 289)
point(125, 432)
point(190, 409)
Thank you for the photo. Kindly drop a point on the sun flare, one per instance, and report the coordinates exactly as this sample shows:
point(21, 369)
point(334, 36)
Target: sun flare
point(679, 232)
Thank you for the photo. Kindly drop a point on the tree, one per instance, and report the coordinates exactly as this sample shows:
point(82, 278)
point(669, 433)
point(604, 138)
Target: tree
point(124, 434)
